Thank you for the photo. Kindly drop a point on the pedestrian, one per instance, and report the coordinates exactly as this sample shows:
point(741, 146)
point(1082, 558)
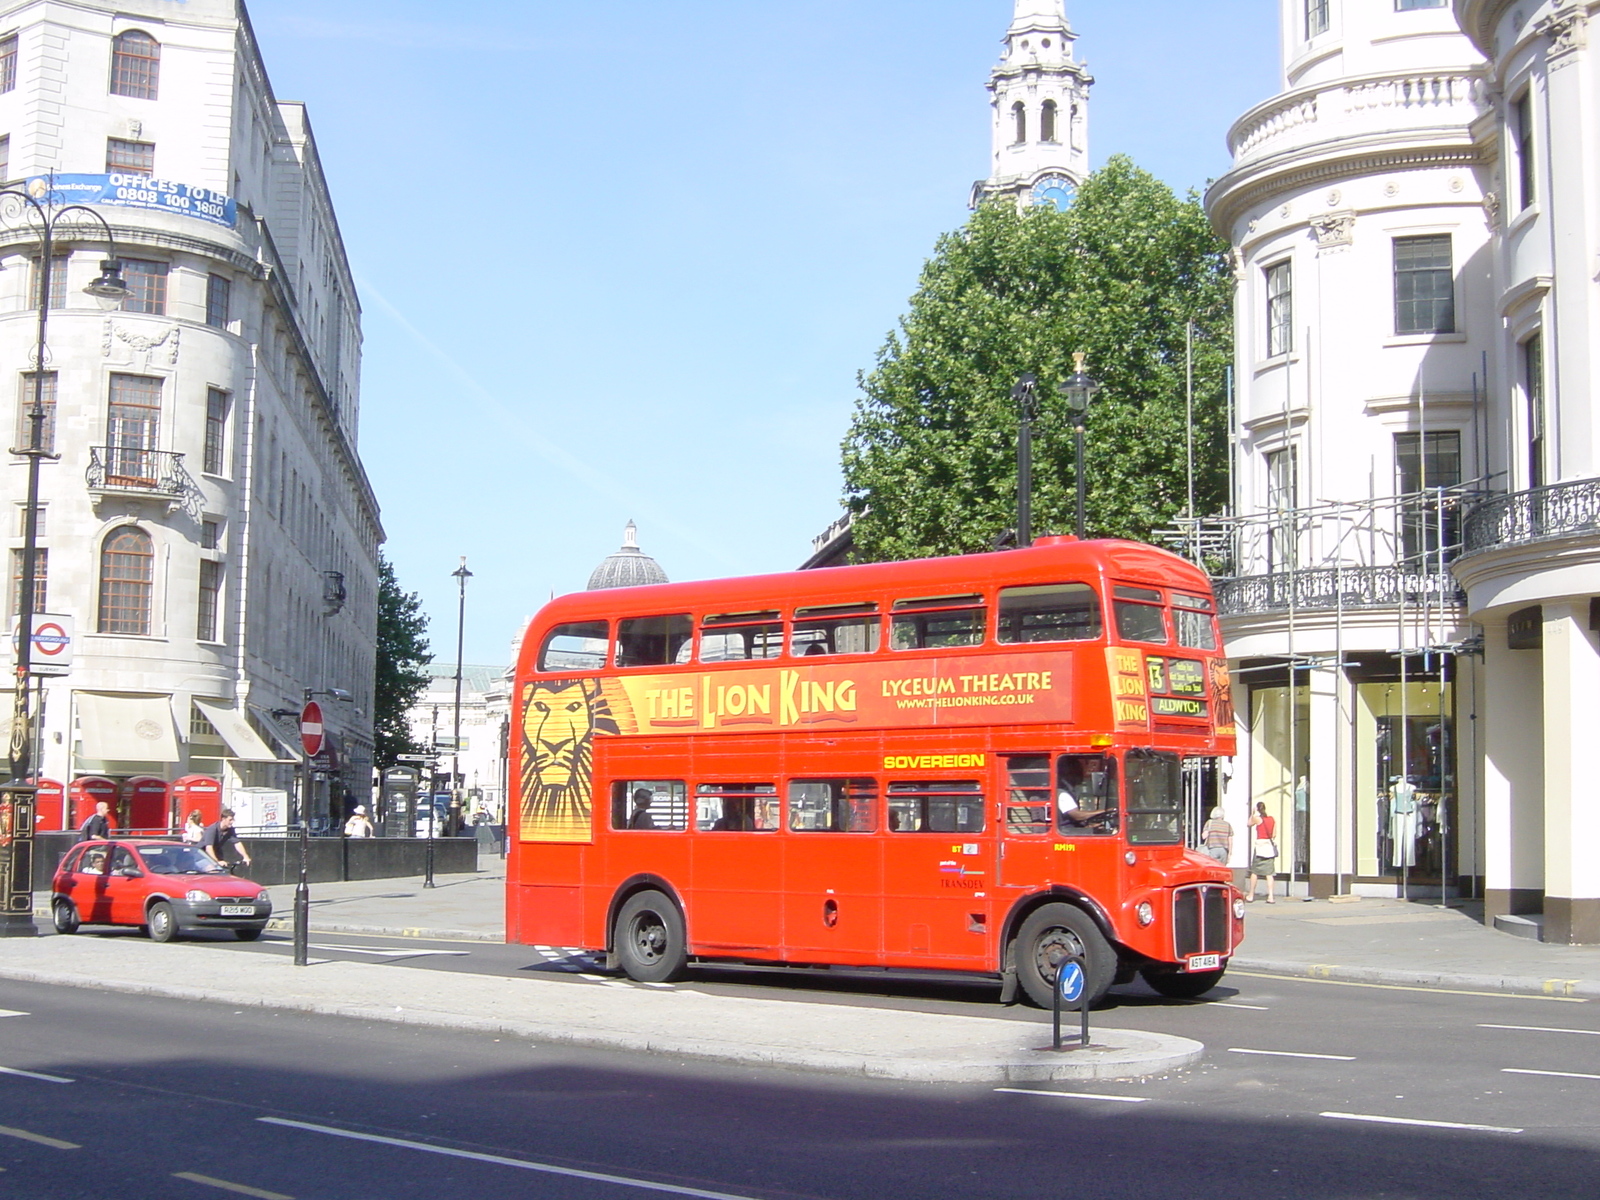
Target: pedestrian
point(641, 819)
point(358, 826)
point(97, 824)
point(1263, 852)
point(1216, 837)
point(219, 835)
point(194, 828)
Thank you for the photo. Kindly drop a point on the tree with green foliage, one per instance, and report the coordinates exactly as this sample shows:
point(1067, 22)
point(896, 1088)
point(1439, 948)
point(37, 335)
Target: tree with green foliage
point(930, 460)
point(403, 656)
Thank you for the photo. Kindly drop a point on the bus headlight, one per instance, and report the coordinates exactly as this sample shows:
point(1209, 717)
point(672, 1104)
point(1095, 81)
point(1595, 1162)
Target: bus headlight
point(1145, 914)
point(1238, 909)
point(1130, 858)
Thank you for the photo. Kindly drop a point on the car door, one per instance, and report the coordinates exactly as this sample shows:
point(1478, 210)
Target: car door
point(89, 884)
point(125, 887)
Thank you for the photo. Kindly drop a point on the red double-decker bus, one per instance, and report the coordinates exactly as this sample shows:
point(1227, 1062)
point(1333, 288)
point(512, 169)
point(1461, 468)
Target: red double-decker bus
point(968, 763)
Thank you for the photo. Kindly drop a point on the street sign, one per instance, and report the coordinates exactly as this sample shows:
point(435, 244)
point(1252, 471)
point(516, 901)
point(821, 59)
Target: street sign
point(445, 745)
point(416, 758)
point(311, 728)
point(1071, 982)
point(51, 653)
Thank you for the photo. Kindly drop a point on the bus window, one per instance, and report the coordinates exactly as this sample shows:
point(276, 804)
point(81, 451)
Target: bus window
point(652, 641)
point(1196, 629)
point(1028, 793)
point(837, 629)
point(941, 806)
point(1155, 798)
point(1140, 617)
point(942, 621)
point(735, 636)
point(833, 805)
point(1086, 795)
point(1057, 612)
point(580, 646)
point(736, 807)
point(649, 804)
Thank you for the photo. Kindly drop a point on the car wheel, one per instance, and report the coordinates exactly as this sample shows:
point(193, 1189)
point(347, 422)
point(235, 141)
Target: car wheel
point(250, 934)
point(1052, 933)
point(1177, 985)
point(650, 940)
point(64, 914)
point(162, 924)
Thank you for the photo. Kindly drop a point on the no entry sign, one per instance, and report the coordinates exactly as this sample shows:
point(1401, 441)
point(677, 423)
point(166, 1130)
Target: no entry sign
point(311, 728)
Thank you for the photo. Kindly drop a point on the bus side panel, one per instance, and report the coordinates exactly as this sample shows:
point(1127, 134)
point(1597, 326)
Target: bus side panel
point(624, 854)
point(544, 904)
point(736, 878)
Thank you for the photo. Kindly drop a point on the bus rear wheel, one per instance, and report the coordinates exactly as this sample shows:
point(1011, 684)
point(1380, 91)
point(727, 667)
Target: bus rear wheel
point(1177, 985)
point(1052, 933)
point(649, 939)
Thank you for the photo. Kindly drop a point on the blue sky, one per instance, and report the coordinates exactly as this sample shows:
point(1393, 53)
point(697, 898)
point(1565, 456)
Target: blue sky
point(624, 259)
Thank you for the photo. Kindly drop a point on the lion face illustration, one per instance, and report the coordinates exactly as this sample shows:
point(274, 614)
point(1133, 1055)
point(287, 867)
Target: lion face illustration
point(559, 721)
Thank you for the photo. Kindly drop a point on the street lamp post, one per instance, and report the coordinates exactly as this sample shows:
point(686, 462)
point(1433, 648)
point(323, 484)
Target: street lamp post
point(1080, 390)
point(17, 795)
point(461, 575)
point(1025, 394)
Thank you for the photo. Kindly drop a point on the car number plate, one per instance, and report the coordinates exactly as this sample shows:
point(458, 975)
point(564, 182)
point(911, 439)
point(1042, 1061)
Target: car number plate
point(249, 910)
point(1197, 962)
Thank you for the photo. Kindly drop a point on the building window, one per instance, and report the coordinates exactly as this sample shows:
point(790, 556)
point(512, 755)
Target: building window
point(135, 65)
point(219, 298)
point(25, 399)
point(1316, 18)
point(210, 587)
point(8, 62)
point(1425, 463)
point(127, 580)
point(1533, 389)
point(1424, 285)
point(123, 156)
point(1522, 112)
point(1047, 122)
point(1283, 484)
point(39, 521)
point(1280, 309)
point(1408, 5)
point(5, 158)
point(58, 282)
point(147, 286)
point(133, 423)
point(41, 573)
point(210, 535)
point(216, 430)
point(1020, 114)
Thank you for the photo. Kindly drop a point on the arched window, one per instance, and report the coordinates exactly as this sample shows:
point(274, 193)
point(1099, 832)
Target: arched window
point(135, 65)
point(127, 579)
point(1021, 114)
point(1047, 122)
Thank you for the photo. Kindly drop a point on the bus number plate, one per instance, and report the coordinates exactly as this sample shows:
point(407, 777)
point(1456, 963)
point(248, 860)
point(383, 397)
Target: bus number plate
point(1204, 962)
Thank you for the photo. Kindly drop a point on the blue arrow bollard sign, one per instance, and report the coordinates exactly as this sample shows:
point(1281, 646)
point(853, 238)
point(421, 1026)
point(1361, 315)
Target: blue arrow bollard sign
point(1071, 987)
point(1071, 981)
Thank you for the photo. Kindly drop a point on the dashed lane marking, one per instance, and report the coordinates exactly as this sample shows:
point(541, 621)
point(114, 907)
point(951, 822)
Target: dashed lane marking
point(1344, 1116)
point(1293, 1054)
point(238, 1189)
point(53, 1143)
point(1074, 1095)
point(1558, 1074)
point(399, 952)
point(1403, 987)
point(7, 1012)
point(520, 1164)
point(33, 1075)
point(1541, 1029)
point(1225, 1004)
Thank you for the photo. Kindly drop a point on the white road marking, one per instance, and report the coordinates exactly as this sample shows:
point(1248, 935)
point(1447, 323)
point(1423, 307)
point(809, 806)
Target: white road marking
point(501, 1161)
point(399, 952)
point(1074, 1095)
point(1293, 1054)
point(1343, 1116)
point(1542, 1029)
point(1225, 1004)
point(1561, 1074)
point(33, 1075)
point(240, 1189)
point(7, 1012)
point(53, 1143)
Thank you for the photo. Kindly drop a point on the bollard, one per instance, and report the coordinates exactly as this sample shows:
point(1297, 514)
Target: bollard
point(1071, 987)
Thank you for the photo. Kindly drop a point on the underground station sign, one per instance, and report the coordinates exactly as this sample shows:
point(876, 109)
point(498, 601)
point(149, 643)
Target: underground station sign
point(51, 652)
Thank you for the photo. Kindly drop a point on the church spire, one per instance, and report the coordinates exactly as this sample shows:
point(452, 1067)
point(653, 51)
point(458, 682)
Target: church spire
point(1040, 98)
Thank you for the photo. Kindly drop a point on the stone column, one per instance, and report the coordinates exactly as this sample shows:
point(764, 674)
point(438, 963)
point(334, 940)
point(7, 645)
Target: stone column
point(1571, 810)
point(1329, 809)
point(1511, 727)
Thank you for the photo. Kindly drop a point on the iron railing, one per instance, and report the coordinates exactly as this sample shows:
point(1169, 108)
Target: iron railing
point(1327, 588)
point(1536, 515)
point(125, 469)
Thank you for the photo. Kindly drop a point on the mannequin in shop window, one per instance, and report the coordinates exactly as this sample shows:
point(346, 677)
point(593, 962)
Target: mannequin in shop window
point(1403, 821)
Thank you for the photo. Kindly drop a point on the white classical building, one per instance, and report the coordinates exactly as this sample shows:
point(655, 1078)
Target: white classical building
point(482, 755)
point(1417, 538)
point(207, 527)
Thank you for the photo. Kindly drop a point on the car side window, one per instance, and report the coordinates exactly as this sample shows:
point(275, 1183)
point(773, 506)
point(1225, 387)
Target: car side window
point(123, 862)
point(94, 861)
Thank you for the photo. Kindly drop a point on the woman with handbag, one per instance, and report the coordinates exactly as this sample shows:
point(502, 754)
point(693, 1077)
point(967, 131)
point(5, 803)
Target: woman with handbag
point(1263, 852)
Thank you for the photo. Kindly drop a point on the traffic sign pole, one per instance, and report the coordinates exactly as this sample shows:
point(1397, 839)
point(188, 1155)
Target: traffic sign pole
point(1071, 987)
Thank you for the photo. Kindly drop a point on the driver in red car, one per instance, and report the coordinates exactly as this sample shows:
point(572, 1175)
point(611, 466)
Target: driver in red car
point(220, 835)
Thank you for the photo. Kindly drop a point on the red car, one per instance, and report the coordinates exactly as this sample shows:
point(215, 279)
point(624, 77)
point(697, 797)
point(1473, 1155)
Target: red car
point(167, 887)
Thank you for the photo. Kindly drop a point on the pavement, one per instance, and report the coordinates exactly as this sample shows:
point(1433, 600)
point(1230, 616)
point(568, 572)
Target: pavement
point(1372, 941)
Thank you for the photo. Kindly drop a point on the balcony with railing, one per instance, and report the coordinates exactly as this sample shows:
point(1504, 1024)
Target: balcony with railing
point(1541, 514)
point(137, 471)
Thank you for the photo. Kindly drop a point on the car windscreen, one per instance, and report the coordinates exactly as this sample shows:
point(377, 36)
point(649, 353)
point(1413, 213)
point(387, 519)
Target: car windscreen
point(180, 860)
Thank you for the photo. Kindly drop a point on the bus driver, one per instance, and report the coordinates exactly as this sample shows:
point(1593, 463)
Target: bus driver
point(1082, 799)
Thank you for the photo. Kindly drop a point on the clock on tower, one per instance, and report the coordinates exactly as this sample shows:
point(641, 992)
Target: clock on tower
point(1056, 190)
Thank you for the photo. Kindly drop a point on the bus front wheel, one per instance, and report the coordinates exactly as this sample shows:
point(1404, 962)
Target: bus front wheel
point(650, 940)
point(1052, 933)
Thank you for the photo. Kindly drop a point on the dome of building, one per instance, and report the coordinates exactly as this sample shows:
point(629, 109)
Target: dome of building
point(628, 567)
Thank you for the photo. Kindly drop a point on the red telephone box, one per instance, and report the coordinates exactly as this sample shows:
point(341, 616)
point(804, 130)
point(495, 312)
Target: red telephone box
point(49, 808)
point(86, 792)
point(147, 801)
point(197, 792)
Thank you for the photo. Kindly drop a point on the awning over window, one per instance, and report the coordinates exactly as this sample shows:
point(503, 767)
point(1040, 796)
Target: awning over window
point(127, 728)
point(242, 740)
point(288, 744)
